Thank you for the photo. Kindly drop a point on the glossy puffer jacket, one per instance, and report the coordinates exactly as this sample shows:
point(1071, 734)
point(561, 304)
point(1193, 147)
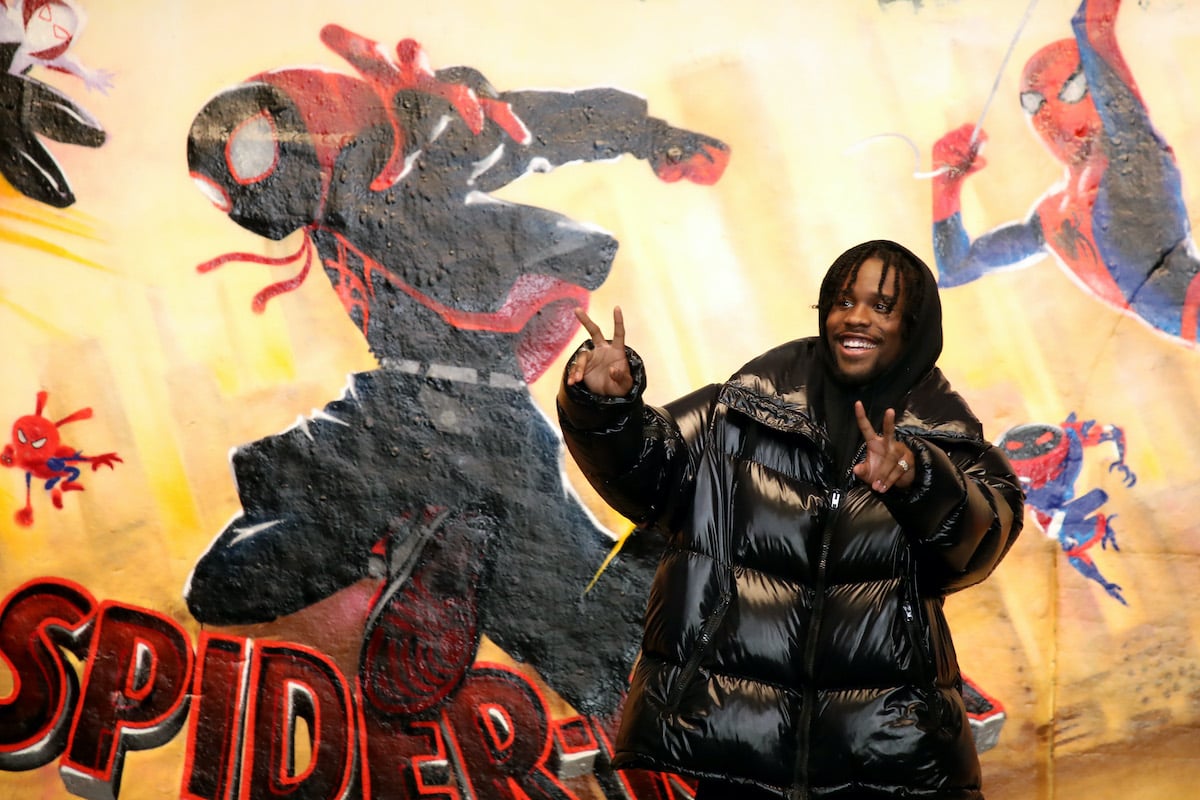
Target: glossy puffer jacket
point(794, 633)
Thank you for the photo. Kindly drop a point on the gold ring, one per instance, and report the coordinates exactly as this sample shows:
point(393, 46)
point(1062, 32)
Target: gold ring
point(903, 465)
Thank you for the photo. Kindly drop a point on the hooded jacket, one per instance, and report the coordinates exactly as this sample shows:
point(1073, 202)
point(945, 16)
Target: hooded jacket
point(794, 635)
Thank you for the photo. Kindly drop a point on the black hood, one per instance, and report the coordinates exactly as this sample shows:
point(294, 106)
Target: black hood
point(833, 399)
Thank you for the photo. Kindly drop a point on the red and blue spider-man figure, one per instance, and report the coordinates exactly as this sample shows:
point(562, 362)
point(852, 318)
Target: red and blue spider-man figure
point(1117, 222)
point(1048, 459)
point(37, 448)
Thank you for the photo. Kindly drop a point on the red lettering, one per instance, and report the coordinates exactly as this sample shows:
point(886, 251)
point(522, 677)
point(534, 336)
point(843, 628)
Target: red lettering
point(222, 676)
point(502, 732)
point(34, 619)
point(291, 684)
point(634, 784)
point(135, 696)
point(575, 748)
point(406, 759)
point(273, 720)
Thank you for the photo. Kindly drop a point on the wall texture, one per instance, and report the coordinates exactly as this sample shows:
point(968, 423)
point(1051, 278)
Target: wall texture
point(287, 287)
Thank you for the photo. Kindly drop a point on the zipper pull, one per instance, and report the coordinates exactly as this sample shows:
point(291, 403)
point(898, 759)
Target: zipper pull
point(835, 499)
point(906, 607)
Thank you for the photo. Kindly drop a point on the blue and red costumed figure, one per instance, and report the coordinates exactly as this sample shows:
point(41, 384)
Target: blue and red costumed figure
point(1049, 459)
point(1117, 222)
point(38, 450)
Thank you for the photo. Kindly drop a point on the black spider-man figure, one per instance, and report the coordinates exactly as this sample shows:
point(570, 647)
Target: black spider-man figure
point(29, 109)
point(437, 472)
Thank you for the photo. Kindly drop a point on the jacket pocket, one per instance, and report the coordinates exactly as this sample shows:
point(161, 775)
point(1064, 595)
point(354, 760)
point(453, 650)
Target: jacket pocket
point(921, 657)
point(701, 648)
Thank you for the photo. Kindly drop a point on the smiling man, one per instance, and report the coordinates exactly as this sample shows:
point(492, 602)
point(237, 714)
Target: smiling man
point(867, 335)
point(818, 506)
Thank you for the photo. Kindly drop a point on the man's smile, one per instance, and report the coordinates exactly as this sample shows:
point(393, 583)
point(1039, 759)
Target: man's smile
point(856, 344)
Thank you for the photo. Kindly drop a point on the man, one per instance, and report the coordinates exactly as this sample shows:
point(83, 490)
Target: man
point(817, 506)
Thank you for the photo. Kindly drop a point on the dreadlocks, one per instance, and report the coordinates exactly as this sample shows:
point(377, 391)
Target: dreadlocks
point(898, 266)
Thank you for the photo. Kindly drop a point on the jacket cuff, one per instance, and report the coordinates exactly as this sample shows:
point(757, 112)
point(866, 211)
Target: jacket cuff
point(584, 410)
point(938, 492)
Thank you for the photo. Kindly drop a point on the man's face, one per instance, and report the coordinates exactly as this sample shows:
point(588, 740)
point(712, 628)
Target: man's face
point(865, 325)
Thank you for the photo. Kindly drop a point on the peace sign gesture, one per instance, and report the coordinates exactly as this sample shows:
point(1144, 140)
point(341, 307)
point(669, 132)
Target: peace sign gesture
point(604, 369)
point(888, 462)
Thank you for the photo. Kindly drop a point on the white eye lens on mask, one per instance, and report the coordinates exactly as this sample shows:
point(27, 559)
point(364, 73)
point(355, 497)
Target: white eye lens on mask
point(1075, 89)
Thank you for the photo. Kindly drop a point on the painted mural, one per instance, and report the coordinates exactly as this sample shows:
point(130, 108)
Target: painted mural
point(272, 534)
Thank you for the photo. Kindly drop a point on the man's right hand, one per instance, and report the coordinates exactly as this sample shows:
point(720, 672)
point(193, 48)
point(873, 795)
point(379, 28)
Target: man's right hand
point(604, 369)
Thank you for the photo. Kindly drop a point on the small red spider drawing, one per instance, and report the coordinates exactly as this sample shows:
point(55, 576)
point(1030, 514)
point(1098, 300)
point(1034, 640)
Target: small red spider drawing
point(37, 449)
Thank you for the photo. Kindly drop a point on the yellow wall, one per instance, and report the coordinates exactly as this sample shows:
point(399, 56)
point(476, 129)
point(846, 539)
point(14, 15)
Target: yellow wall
point(103, 307)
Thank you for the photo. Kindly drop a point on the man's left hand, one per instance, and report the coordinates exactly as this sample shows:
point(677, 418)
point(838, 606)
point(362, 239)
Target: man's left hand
point(888, 462)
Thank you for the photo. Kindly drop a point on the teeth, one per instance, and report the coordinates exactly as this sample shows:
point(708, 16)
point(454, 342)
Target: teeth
point(858, 344)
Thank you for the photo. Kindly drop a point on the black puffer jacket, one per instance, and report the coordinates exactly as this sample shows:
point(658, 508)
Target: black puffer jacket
point(794, 634)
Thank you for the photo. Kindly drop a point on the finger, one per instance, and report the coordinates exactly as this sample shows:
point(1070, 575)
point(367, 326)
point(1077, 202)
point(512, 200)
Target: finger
point(578, 368)
point(864, 424)
point(618, 339)
point(893, 478)
point(590, 326)
point(620, 377)
point(889, 425)
point(886, 478)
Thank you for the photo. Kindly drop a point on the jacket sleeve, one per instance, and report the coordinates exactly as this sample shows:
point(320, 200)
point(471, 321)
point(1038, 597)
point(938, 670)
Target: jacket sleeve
point(964, 511)
point(639, 458)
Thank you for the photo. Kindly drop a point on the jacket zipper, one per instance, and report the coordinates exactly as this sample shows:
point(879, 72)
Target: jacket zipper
point(800, 788)
point(702, 641)
point(916, 640)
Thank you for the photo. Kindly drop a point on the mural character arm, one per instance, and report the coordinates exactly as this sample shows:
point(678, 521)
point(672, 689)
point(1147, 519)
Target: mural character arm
point(34, 171)
point(109, 460)
point(959, 259)
point(95, 80)
point(604, 124)
point(58, 117)
point(1090, 434)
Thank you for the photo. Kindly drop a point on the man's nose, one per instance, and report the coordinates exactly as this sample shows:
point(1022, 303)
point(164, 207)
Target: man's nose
point(857, 314)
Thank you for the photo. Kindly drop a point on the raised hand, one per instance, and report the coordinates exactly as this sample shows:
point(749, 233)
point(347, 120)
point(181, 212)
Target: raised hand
point(676, 153)
point(888, 462)
point(955, 156)
point(604, 369)
point(959, 151)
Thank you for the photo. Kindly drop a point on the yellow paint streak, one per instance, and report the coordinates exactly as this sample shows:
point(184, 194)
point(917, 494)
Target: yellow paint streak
point(61, 224)
point(616, 548)
point(41, 245)
point(36, 321)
